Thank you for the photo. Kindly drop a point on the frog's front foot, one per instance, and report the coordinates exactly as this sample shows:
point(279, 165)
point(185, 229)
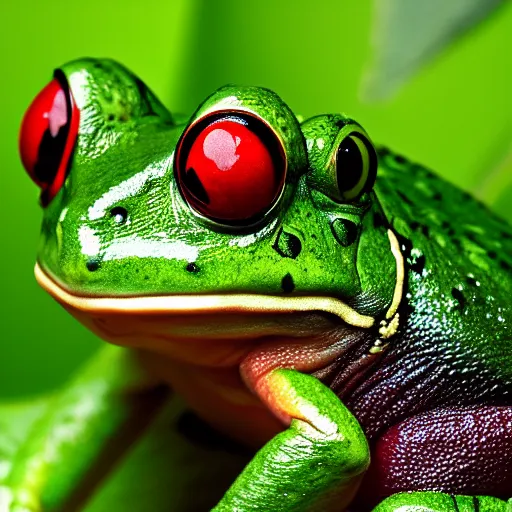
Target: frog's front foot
point(440, 502)
point(316, 464)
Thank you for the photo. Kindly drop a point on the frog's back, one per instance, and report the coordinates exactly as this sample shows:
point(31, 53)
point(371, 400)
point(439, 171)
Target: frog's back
point(462, 234)
point(455, 338)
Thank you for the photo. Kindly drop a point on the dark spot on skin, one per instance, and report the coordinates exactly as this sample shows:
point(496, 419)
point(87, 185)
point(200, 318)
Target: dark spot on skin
point(414, 225)
point(437, 196)
point(92, 265)
point(111, 117)
point(313, 236)
point(471, 236)
point(457, 295)
point(192, 267)
point(408, 308)
point(195, 187)
point(383, 151)
point(405, 245)
point(445, 224)
point(287, 283)
point(399, 159)
point(405, 199)
point(379, 221)
point(506, 235)
point(119, 214)
point(471, 280)
point(450, 232)
point(340, 123)
point(467, 196)
point(418, 264)
point(146, 278)
point(429, 174)
point(345, 231)
point(287, 244)
point(492, 255)
point(455, 504)
point(425, 230)
point(505, 266)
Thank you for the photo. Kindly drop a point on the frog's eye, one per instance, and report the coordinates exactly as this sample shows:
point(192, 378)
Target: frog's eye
point(47, 137)
point(231, 168)
point(356, 166)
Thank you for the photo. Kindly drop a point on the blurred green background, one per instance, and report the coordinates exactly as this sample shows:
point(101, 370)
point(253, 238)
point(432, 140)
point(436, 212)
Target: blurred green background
point(454, 115)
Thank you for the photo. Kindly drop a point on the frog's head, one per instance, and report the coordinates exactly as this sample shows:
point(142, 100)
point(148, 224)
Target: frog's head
point(235, 224)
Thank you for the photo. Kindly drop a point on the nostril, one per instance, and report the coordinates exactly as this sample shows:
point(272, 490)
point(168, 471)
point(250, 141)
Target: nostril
point(287, 244)
point(192, 267)
point(345, 231)
point(92, 265)
point(119, 214)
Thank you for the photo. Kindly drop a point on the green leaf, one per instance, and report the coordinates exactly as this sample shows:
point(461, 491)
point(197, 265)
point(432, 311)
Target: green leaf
point(406, 34)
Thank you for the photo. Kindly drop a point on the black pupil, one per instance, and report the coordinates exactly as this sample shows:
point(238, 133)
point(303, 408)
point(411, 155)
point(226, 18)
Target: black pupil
point(349, 164)
point(49, 155)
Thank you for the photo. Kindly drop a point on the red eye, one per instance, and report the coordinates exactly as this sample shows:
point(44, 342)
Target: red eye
point(47, 137)
point(231, 168)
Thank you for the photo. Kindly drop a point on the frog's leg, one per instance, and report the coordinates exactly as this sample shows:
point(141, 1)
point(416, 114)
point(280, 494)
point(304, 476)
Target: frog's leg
point(316, 464)
point(16, 420)
point(84, 430)
point(439, 502)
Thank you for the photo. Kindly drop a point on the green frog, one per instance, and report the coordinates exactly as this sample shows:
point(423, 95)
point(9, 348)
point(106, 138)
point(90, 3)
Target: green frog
point(333, 305)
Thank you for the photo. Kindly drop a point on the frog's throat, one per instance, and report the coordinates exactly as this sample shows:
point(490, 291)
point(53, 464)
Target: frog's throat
point(225, 303)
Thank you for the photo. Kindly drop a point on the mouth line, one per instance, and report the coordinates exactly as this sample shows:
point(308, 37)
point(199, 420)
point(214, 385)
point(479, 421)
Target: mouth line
point(203, 304)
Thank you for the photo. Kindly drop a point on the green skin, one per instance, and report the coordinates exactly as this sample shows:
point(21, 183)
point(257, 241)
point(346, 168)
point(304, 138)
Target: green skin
point(124, 133)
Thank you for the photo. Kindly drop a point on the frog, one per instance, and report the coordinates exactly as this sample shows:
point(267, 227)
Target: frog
point(337, 307)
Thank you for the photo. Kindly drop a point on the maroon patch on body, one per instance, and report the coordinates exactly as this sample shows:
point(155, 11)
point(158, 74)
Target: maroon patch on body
point(465, 450)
